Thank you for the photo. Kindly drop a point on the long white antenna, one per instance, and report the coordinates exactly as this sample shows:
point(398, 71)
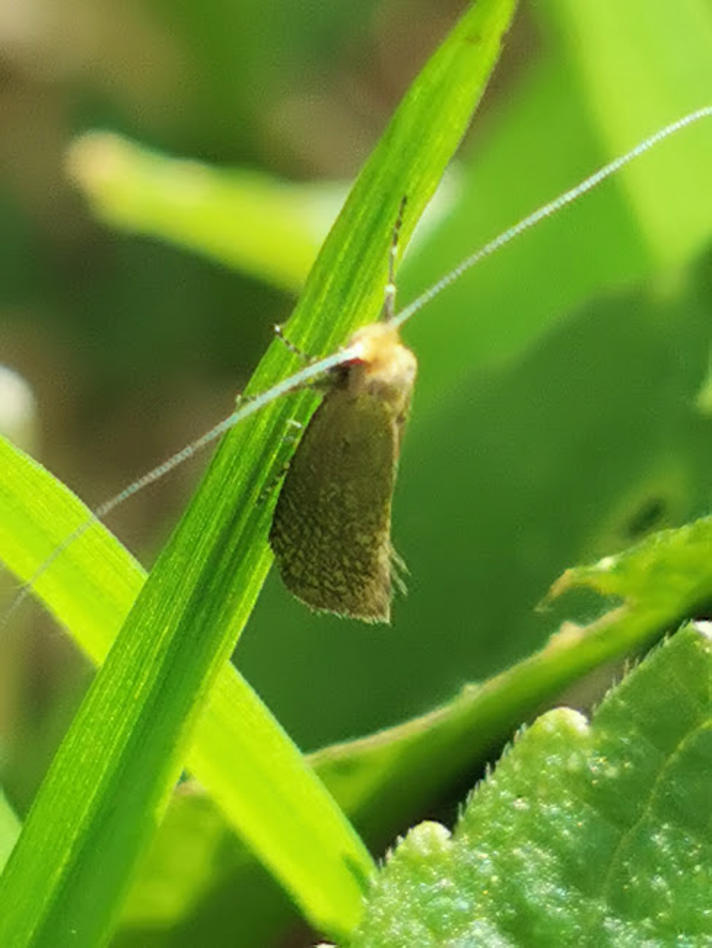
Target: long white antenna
point(316, 369)
point(546, 210)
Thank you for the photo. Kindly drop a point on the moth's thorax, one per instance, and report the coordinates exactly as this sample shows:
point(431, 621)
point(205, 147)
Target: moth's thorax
point(384, 366)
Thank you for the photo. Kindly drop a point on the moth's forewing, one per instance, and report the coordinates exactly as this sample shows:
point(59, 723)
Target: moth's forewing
point(331, 528)
point(331, 531)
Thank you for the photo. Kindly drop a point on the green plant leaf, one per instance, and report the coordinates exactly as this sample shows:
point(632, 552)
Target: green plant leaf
point(111, 778)
point(661, 581)
point(584, 834)
point(665, 577)
point(268, 228)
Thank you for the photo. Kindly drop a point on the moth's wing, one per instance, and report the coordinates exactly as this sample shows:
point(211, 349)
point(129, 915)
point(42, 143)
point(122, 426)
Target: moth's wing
point(332, 523)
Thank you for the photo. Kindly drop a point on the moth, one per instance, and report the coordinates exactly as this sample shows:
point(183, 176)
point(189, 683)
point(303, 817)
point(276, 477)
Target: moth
point(331, 527)
point(331, 530)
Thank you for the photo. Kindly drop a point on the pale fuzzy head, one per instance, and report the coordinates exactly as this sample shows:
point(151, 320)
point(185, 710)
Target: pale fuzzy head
point(383, 361)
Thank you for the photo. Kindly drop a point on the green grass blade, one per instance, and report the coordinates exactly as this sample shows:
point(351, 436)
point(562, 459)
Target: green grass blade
point(112, 775)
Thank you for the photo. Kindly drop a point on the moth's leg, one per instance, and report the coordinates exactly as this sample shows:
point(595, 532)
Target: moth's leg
point(279, 333)
point(295, 428)
point(241, 399)
point(389, 292)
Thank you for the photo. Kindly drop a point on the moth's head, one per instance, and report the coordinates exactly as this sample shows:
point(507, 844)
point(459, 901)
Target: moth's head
point(382, 357)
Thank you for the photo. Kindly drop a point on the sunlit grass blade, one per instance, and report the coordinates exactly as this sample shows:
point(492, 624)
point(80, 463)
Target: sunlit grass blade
point(110, 780)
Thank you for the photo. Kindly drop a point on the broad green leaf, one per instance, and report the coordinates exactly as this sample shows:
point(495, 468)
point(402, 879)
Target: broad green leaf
point(664, 577)
point(584, 834)
point(111, 778)
point(657, 583)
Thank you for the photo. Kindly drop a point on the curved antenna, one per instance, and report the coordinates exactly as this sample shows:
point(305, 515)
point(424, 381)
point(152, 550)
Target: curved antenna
point(547, 210)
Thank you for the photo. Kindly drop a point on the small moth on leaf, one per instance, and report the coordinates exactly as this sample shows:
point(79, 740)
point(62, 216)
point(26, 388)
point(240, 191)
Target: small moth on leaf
point(331, 532)
point(331, 526)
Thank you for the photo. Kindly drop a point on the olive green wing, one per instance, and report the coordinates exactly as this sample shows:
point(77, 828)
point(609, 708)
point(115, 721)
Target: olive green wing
point(332, 523)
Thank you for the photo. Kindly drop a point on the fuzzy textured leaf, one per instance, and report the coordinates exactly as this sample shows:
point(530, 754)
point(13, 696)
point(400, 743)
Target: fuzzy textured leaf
point(585, 834)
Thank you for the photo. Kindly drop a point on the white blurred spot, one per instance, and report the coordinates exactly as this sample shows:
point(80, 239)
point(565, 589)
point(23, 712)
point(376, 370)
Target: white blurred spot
point(18, 410)
point(704, 627)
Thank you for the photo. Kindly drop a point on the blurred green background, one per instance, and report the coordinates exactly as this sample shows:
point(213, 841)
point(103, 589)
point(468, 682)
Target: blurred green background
point(561, 410)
